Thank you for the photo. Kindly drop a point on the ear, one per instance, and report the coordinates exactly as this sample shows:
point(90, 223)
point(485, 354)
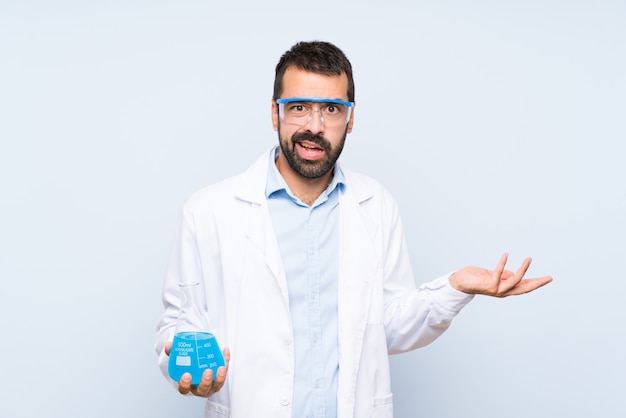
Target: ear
point(274, 115)
point(351, 121)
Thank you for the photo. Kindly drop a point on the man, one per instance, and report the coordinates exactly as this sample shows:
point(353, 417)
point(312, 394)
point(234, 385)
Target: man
point(304, 266)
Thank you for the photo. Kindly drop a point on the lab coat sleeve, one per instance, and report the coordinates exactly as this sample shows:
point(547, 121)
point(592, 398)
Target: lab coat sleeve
point(184, 265)
point(414, 317)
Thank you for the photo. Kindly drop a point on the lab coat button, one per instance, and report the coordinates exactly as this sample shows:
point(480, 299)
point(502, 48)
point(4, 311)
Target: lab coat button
point(284, 401)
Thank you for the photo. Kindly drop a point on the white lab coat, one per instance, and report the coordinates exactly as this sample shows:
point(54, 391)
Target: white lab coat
point(227, 242)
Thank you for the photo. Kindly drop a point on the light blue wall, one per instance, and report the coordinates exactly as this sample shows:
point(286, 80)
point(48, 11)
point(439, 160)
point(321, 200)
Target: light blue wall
point(499, 126)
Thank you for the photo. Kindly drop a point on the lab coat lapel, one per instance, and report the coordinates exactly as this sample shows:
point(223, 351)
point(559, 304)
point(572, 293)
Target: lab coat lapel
point(261, 234)
point(260, 230)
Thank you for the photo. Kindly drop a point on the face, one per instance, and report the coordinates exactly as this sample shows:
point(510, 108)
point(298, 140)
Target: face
point(311, 151)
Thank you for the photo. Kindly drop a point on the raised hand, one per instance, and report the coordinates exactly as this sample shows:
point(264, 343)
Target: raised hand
point(499, 282)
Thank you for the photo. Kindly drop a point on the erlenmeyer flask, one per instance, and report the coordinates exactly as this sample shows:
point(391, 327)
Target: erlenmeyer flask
point(194, 348)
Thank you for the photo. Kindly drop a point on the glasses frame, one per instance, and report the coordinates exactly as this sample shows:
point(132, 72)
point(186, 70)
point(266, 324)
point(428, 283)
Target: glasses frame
point(281, 109)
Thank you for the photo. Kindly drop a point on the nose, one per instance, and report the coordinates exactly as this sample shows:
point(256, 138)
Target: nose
point(315, 124)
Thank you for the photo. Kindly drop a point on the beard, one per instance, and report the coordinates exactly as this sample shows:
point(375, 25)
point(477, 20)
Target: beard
point(307, 168)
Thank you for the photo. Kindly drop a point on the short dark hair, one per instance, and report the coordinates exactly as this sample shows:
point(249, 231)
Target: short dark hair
point(316, 57)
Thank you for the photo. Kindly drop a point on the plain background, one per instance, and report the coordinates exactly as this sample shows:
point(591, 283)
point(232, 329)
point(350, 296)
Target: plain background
point(498, 125)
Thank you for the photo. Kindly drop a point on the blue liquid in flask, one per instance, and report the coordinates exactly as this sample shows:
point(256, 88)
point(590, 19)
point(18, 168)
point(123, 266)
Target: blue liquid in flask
point(194, 352)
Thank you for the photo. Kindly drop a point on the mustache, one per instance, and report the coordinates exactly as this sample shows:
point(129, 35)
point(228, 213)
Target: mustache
point(314, 138)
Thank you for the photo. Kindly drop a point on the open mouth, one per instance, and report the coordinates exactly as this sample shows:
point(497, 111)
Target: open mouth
point(309, 150)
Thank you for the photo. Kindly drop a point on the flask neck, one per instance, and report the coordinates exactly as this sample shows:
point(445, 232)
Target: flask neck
point(189, 295)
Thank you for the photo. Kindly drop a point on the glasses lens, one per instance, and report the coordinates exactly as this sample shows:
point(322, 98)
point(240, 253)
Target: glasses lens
point(300, 113)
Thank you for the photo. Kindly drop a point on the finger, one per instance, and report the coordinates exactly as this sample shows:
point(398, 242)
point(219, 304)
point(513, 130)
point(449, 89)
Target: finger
point(220, 379)
point(514, 280)
point(523, 268)
point(497, 273)
point(226, 354)
point(204, 388)
point(184, 386)
point(528, 285)
point(168, 348)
